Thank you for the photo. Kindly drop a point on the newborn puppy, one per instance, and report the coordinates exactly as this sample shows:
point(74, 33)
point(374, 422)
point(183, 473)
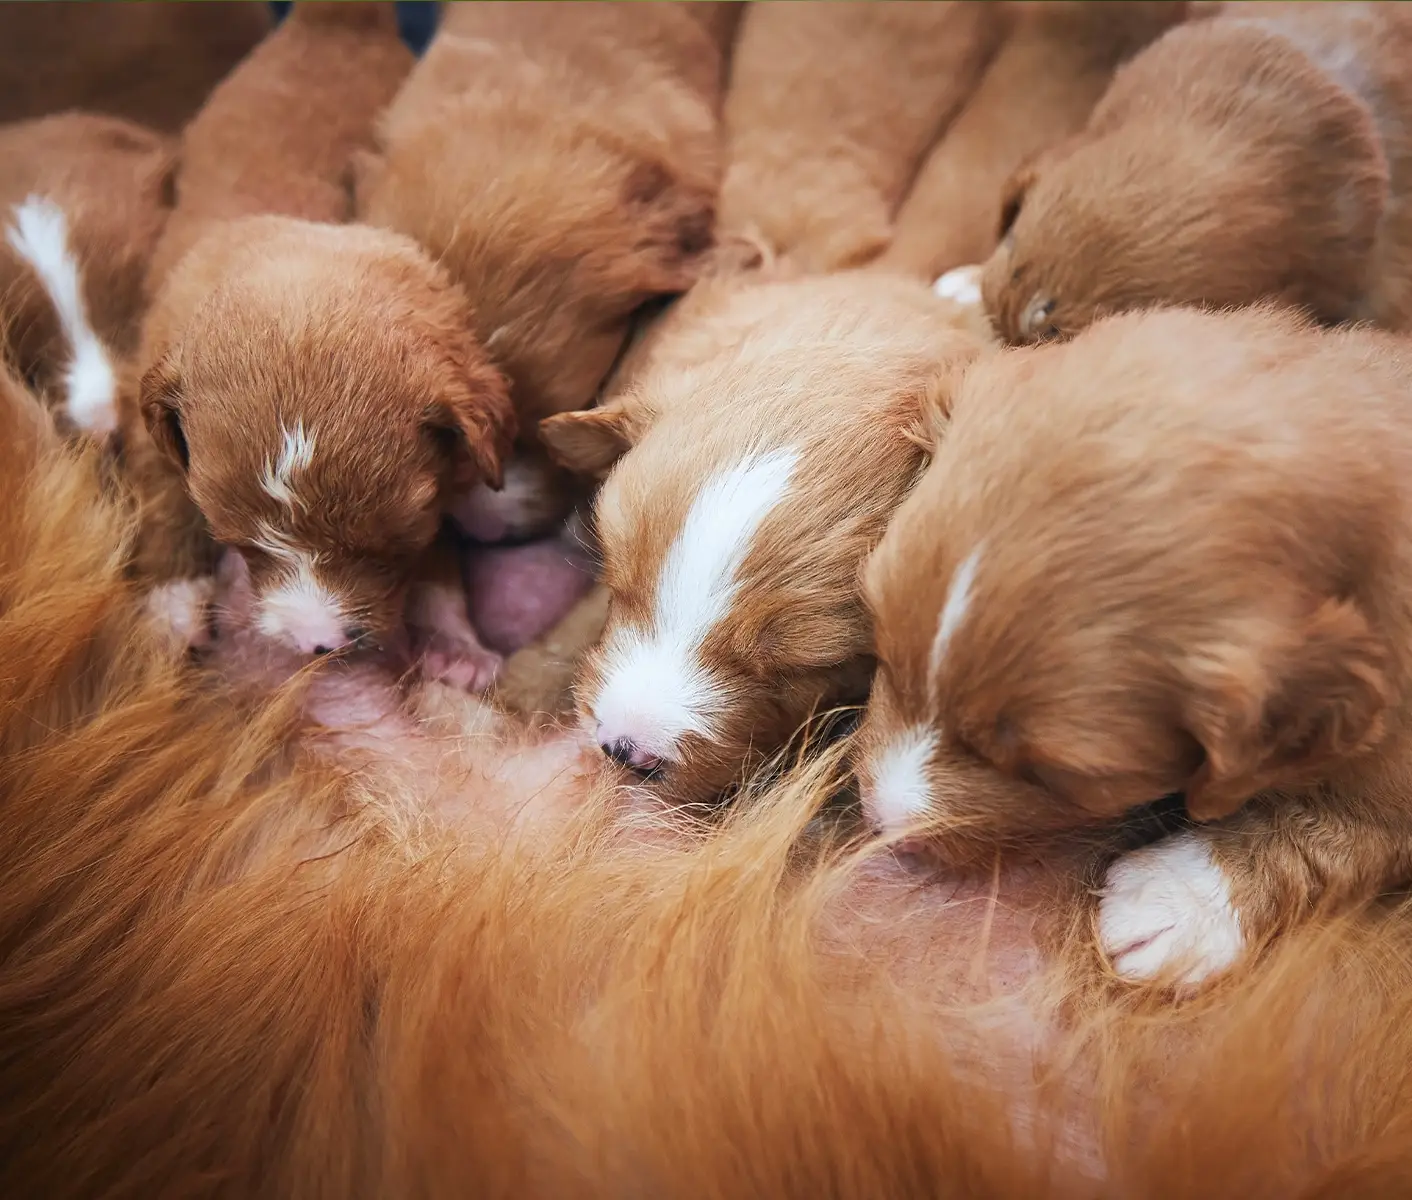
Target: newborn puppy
point(1051, 70)
point(322, 395)
point(83, 200)
point(1173, 555)
point(831, 108)
point(1265, 152)
point(562, 162)
point(763, 434)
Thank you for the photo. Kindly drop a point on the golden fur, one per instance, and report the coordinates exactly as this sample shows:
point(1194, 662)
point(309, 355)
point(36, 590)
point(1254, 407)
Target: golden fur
point(234, 965)
point(1181, 549)
point(512, 101)
point(1054, 64)
point(830, 110)
point(1263, 153)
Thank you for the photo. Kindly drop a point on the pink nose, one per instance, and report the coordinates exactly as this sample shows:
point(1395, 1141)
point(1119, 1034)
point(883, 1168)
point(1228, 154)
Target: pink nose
point(626, 753)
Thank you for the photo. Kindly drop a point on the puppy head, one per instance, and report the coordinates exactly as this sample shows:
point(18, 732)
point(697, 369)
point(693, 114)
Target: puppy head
point(557, 246)
point(1108, 589)
point(754, 460)
point(324, 401)
point(1220, 168)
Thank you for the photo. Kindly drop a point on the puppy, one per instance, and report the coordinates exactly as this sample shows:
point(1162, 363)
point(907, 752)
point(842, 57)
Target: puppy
point(1052, 68)
point(83, 200)
point(1265, 152)
point(1174, 555)
point(830, 110)
point(146, 61)
point(762, 436)
point(562, 162)
point(322, 396)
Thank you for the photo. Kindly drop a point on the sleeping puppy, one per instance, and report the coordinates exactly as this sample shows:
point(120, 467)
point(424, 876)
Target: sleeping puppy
point(1265, 152)
point(562, 162)
point(322, 395)
point(1173, 555)
point(1052, 68)
point(277, 345)
point(759, 438)
point(83, 200)
point(830, 110)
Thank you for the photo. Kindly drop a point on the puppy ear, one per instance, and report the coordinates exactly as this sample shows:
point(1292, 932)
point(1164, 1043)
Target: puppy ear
point(475, 424)
point(590, 441)
point(159, 399)
point(674, 220)
point(1274, 715)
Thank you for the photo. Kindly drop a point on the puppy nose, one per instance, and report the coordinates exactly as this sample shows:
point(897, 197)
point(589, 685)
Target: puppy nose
point(1034, 321)
point(627, 753)
point(323, 650)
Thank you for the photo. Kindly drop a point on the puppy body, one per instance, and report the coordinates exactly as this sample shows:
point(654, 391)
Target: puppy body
point(83, 201)
point(1265, 152)
point(765, 435)
point(1052, 68)
point(830, 110)
point(562, 162)
point(1170, 556)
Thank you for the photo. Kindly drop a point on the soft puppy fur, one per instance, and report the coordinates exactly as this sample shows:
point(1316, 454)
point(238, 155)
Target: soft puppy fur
point(562, 163)
point(147, 61)
point(830, 110)
point(1054, 65)
point(415, 948)
point(83, 201)
point(762, 434)
point(1265, 152)
point(1170, 556)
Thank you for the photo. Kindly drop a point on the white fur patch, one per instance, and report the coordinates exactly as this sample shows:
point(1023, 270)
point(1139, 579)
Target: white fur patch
point(300, 610)
point(40, 236)
point(1166, 910)
point(961, 284)
point(953, 612)
point(296, 452)
point(179, 609)
point(900, 793)
point(655, 689)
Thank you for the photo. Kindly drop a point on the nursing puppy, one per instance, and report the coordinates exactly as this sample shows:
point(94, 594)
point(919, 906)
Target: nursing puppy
point(1052, 68)
point(83, 200)
point(830, 110)
point(762, 435)
point(562, 162)
point(1174, 555)
point(1265, 152)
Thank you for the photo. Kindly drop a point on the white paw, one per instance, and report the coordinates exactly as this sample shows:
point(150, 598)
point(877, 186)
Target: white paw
point(459, 663)
point(180, 610)
point(961, 284)
point(1166, 910)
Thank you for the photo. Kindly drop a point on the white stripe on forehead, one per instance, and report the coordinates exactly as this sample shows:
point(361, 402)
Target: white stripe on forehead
point(296, 452)
point(655, 689)
point(953, 612)
point(900, 793)
point(40, 235)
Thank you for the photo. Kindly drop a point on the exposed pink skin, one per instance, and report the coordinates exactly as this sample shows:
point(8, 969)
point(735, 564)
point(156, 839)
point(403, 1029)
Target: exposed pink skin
point(520, 592)
point(451, 652)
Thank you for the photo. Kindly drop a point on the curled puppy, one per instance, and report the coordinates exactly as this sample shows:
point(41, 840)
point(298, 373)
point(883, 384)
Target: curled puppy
point(1265, 152)
point(562, 162)
point(831, 108)
point(1052, 68)
point(762, 435)
point(358, 404)
point(83, 201)
point(1173, 555)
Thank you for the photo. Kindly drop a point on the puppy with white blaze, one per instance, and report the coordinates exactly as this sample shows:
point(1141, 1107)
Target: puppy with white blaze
point(763, 432)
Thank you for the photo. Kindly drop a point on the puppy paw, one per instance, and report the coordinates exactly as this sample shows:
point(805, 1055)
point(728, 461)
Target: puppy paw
point(1166, 911)
point(460, 663)
point(180, 610)
point(961, 285)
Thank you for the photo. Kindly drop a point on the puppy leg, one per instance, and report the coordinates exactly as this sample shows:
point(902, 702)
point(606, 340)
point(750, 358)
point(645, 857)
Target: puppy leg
point(1186, 908)
point(439, 622)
